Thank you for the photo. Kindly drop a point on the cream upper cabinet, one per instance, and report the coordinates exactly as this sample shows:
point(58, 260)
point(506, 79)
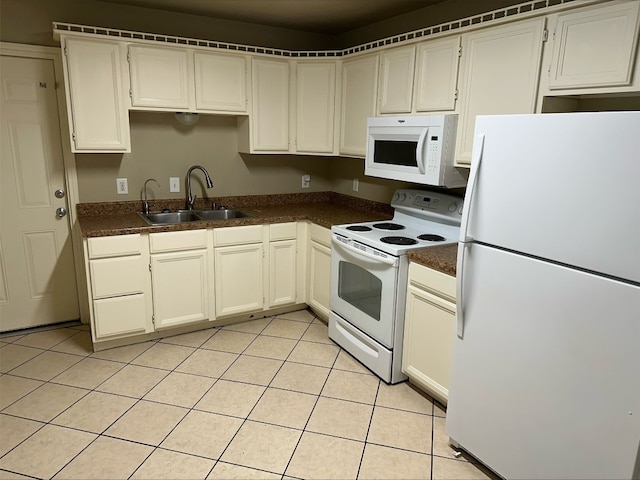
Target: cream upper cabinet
point(267, 128)
point(595, 47)
point(160, 77)
point(359, 93)
point(220, 82)
point(429, 330)
point(98, 120)
point(435, 87)
point(315, 107)
point(499, 74)
point(319, 271)
point(180, 271)
point(396, 80)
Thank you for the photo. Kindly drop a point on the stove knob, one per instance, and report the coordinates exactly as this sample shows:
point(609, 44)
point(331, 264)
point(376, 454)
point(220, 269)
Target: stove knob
point(402, 197)
point(453, 207)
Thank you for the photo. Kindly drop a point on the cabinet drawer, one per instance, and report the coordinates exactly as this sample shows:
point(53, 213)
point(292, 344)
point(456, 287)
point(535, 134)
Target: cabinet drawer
point(116, 276)
point(119, 316)
point(237, 235)
point(282, 231)
point(172, 241)
point(432, 281)
point(117, 245)
point(320, 234)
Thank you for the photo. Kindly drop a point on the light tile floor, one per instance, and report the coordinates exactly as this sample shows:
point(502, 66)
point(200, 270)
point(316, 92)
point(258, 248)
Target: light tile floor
point(269, 398)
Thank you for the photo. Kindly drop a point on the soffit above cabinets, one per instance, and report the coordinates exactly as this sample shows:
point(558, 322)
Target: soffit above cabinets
point(320, 16)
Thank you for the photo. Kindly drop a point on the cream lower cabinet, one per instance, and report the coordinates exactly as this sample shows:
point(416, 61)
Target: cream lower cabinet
point(119, 290)
point(283, 281)
point(319, 270)
point(238, 267)
point(180, 277)
point(429, 330)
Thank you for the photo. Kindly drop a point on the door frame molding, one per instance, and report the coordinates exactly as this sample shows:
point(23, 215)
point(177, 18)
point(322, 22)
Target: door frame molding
point(68, 158)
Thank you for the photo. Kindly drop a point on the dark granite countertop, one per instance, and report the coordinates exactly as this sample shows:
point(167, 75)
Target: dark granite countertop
point(324, 208)
point(441, 258)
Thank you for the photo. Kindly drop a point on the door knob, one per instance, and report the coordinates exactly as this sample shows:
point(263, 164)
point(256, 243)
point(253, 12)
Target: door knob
point(61, 212)
point(59, 193)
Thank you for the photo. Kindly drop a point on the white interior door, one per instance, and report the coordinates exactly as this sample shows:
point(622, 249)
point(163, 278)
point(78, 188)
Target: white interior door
point(37, 276)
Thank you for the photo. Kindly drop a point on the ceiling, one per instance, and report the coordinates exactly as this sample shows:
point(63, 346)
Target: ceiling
point(320, 16)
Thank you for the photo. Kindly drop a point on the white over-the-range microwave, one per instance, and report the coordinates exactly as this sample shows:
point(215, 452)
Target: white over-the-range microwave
point(418, 149)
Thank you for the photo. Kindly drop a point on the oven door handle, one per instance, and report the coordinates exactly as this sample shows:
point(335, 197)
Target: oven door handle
point(367, 255)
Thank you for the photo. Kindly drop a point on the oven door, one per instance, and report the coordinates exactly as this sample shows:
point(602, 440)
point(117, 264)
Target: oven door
point(364, 288)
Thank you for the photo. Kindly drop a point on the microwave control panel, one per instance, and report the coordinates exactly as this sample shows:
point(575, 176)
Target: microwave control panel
point(433, 152)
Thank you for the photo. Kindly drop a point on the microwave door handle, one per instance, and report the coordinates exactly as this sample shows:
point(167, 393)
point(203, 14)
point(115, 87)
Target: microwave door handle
point(421, 157)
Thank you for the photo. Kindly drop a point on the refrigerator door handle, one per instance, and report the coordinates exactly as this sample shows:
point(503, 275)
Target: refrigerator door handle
point(465, 239)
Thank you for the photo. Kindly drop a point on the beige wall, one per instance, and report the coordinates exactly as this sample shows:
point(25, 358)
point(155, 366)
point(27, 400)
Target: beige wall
point(29, 21)
point(162, 148)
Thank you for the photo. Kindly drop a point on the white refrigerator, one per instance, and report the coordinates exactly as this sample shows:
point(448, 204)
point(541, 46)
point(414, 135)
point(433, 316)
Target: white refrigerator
point(546, 369)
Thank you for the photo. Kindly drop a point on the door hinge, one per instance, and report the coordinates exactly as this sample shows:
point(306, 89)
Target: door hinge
point(455, 94)
point(153, 320)
point(129, 57)
point(130, 93)
point(545, 35)
point(73, 135)
point(66, 53)
point(56, 85)
point(460, 51)
point(149, 267)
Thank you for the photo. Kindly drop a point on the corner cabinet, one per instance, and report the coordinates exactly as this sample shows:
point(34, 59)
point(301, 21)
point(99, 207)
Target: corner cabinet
point(595, 47)
point(93, 72)
point(499, 74)
point(429, 330)
point(359, 93)
point(319, 271)
point(180, 277)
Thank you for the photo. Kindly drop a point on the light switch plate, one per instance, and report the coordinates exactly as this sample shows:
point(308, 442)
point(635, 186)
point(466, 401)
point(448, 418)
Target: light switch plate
point(306, 178)
point(356, 184)
point(174, 184)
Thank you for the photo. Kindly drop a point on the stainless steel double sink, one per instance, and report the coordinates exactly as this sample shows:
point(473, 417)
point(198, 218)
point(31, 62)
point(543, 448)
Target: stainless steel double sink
point(186, 216)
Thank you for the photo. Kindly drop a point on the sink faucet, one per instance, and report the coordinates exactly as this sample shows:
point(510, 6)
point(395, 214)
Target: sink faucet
point(145, 203)
point(191, 199)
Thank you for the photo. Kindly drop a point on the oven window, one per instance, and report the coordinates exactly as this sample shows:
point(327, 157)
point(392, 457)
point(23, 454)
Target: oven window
point(395, 152)
point(360, 288)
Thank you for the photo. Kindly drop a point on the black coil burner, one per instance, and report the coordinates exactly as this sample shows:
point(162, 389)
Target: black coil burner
point(399, 240)
point(359, 228)
point(429, 237)
point(388, 226)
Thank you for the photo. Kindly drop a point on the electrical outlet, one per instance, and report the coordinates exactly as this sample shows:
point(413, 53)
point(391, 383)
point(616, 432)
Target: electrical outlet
point(356, 184)
point(306, 178)
point(122, 186)
point(174, 184)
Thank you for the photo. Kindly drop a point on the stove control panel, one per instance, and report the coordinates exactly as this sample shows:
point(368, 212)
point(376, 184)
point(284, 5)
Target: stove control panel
point(429, 204)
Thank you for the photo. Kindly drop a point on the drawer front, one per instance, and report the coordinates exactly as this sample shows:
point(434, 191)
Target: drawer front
point(282, 231)
point(237, 235)
point(117, 276)
point(320, 234)
point(433, 281)
point(119, 316)
point(174, 241)
point(114, 246)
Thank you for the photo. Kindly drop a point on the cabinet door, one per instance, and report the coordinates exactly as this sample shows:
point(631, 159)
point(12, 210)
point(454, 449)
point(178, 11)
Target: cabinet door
point(319, 278)
point(159, 77)
point(428, 341)
point(359, 92)
point(396, 79)
point(437, 75)
point(239, 283)
point(595, 47)
point(179, 284)
point(315, 107)
point(220, 82)
point(270, 116)
point(499, 75)
point(95, 96)
point(282, 273)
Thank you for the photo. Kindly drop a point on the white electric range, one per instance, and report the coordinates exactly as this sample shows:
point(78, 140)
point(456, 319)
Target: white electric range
point(369, 269)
